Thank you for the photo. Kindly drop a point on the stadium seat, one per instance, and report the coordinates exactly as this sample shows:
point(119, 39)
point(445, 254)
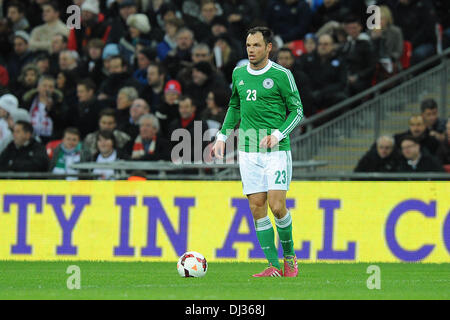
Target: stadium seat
point(51, 146)
point(297, 47)
point(407, 53)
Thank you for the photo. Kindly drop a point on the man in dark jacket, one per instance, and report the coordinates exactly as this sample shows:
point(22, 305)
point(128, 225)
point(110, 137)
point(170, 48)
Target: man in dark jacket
point(417, 19)
point(21, 54)
point(24, 153)
point(359, 56)
point(120, 77)
point(419, 131)
point(289, 19)
point(119, 27)
point(85, 115)
point(189, 121)
point(204, 79)
point(326, 72)
point(380, 158)
point(415, 159)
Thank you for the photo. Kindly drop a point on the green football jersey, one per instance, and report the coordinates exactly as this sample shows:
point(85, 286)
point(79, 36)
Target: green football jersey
point(266, 102)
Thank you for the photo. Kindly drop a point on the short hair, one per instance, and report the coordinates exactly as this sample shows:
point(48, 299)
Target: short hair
point(265, 31)
point(19, 6)
point(131, 93)
point(108, 135)
point(26, 126)
point(88, 83)
point(415, 116)
point(286, 49)
point(428, 104)
point(72, 130)
point(72, 53)
point(64, 38)
point(159, 66)
point(52, 4)
point(45, 77)
point(186, 97)
point(183, 30)
point(108, 112)
point(96, 43)
point(200, 46)
point(410, 138)
point(385, 137)
point(121, 58)
point(151, 117)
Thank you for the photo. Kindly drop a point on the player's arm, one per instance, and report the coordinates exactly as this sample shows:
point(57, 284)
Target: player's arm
point(291, 97)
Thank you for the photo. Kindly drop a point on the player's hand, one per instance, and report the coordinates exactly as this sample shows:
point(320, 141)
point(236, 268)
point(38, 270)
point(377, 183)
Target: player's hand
point(218, 150)
point(269, 142)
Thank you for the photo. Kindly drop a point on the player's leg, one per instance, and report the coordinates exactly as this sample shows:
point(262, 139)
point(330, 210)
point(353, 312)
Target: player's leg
point(254, 182)
point(283, 220)
point(263, 227)
point(280, 177)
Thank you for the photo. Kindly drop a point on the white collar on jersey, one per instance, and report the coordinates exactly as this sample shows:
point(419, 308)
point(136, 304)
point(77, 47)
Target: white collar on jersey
point(261, 71)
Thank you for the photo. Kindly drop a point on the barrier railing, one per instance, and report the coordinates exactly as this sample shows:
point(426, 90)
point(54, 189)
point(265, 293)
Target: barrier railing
point(382, 109)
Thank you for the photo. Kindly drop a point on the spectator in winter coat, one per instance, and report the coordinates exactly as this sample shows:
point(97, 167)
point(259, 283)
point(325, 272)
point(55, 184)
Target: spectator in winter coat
point(24, 153)
point(420, 132)
point(289, 19)
point(416, 159)
point(93, 26)
point(417, 19)
point(359, 57)
point(380, 158)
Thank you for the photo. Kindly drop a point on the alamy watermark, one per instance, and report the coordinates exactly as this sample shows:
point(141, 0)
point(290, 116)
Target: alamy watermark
point(74, 280)
point(374, 20)
point(374, 280)
point(74, 20)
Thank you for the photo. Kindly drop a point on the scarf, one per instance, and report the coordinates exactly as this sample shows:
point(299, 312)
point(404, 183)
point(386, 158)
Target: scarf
point(65, 158)
point(139, 149)
point(41, 122)
point(186, 122)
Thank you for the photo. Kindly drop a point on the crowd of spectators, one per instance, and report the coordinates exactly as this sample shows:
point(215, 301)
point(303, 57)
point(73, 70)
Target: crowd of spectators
point(119, 84)
point(424, 147)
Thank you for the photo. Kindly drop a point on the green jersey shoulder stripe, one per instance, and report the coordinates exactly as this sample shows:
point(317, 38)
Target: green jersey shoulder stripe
point(289, 75)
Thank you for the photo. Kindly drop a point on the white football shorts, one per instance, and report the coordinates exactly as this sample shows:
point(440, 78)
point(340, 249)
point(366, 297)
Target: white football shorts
point(261, 172)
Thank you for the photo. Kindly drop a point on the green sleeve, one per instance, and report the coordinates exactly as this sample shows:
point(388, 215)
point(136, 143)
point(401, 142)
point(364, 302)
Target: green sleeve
point(291, 97)
point(234, 111)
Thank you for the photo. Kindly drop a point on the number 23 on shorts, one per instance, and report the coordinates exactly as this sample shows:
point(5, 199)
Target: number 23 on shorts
point(280, 177)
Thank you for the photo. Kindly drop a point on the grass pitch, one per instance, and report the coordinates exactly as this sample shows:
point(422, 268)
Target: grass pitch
point(224, 281)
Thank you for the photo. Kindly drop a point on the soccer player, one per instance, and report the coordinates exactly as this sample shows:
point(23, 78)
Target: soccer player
point(266, 101)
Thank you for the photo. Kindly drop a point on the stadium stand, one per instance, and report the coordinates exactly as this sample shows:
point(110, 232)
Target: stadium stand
point(167, 49)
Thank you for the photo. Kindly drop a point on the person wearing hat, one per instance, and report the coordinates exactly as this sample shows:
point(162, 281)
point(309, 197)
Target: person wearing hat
point(93, 25)
point(138, 33)
point(8, 104)
point(168, 109)
point(41, 37)
point(119, 29)
point(21, 54)
point(13, 117)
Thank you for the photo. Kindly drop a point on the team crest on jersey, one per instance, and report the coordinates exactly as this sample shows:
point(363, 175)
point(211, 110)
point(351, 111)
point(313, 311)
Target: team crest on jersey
point(268, 83)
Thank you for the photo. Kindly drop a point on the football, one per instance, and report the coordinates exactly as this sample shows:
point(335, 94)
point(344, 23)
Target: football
point(192, 265)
